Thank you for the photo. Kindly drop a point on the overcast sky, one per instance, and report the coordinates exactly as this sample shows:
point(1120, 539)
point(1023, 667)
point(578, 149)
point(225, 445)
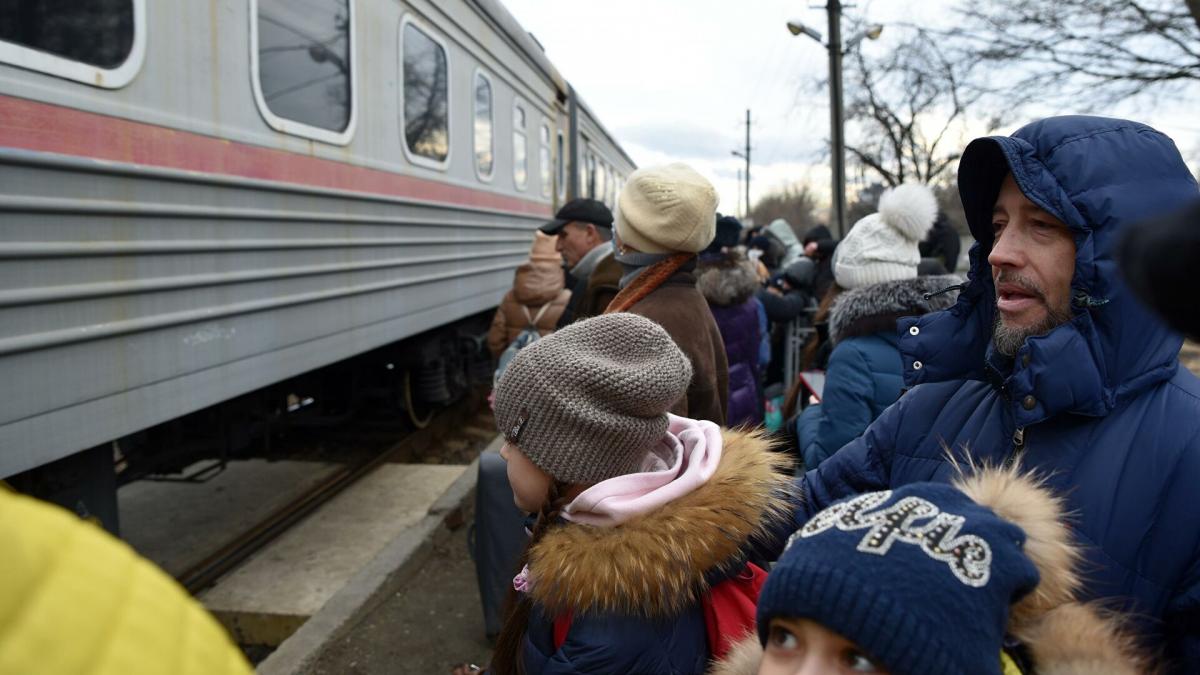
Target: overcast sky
point(672, 79)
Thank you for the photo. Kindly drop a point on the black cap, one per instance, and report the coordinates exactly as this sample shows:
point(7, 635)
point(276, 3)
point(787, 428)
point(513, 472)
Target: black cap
point(579, 210)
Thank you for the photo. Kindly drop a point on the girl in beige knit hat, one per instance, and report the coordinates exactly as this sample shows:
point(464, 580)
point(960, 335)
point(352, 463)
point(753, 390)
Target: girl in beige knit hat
point(637, 560)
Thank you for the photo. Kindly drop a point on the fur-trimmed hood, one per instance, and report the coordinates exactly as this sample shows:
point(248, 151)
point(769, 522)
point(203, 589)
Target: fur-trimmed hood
point(876, 308)
point(727, 280)
point(1063, 636)
point(658, 564)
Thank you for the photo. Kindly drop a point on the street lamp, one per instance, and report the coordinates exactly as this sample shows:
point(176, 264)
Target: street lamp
point(837, 121)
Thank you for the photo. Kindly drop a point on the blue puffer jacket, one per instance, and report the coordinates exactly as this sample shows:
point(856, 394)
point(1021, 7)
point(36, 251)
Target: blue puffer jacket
point(633, 591)
point(1099, 405)
point(864, 374)
point(728, 283)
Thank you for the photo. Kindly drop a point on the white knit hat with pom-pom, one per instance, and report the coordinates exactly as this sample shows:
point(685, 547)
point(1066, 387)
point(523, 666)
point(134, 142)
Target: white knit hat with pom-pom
point(883, 246)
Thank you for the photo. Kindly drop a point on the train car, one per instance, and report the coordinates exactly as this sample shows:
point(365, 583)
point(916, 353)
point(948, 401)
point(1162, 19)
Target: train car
point(204, 198)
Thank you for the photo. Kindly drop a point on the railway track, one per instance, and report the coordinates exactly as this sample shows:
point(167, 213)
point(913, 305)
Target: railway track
point(463, 429)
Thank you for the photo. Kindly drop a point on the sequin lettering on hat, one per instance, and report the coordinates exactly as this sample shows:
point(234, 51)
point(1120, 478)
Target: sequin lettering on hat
point(969, 556)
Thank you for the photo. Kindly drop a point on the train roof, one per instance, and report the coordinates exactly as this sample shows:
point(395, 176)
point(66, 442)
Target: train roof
point(533, 50)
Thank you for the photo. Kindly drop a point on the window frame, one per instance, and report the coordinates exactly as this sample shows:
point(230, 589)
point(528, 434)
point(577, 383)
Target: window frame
point(518, 102)
point(292, 127)
point(486, 178)
point(546, 173)
point(46, 63)
point(561, 167)
point(412, 157)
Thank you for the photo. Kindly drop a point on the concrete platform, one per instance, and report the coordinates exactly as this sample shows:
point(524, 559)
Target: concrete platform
point(176, 524)
point(270, 596)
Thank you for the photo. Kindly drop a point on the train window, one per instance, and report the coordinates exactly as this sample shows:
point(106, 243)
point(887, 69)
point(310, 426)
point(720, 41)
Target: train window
point(544, 161)
point(562, 166)
point(425, 109)
point(601, 183)
point(302, 65)
point(98, 42)
point(591, 176)
point(520, 158)
point(484, 122)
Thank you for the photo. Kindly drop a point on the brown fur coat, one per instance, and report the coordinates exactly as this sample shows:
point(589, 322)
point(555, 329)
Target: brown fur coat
point(1063, 636)
point(655, 565)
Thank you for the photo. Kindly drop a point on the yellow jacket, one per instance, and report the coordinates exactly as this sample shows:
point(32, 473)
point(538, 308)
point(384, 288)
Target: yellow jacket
point(75, 600)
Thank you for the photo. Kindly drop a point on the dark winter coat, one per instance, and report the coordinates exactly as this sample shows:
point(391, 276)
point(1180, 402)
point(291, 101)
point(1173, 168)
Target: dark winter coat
point(864, 374)
point(682, 311)
point(795, 298)
point(942, 243)
point(728, 284)
point(1099, 405)
point(634, 591)
point(826, 245)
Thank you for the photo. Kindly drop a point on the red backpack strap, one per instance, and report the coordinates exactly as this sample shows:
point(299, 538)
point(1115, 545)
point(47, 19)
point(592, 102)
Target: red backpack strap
point(562, 625)
point(729, 609)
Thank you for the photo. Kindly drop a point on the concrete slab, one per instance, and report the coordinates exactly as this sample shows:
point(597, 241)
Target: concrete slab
point(280, 587)
point(176, 524)
point(393, 567)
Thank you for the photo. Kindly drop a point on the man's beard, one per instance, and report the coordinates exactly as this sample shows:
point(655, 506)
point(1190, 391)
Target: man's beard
point(1008, 339)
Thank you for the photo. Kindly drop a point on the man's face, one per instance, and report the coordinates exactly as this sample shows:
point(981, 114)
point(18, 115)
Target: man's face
point(1033, 261)
point(575, 240)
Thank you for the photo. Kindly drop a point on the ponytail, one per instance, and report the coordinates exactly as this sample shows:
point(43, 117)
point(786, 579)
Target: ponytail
point(507, 657)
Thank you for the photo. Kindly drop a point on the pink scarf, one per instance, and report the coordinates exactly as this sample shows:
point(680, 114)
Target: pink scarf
point(685, 459)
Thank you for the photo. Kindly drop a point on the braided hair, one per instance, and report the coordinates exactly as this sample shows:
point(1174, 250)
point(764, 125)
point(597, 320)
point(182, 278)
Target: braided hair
point(506, 659)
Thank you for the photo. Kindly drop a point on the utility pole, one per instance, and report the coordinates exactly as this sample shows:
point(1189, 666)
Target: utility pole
point(747, 161)
point(746, 156)
point(837, 118)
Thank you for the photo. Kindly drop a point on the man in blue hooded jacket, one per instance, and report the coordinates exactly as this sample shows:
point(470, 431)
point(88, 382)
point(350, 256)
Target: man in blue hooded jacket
point(1047, 359)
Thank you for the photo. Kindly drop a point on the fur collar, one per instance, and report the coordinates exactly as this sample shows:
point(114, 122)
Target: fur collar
point(1063, 636)
point(727, 281)
point(875, 308)
point(656, 565)
point(1073, 639)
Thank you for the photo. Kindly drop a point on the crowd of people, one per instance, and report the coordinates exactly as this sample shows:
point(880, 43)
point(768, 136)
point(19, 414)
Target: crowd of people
point(995, 478)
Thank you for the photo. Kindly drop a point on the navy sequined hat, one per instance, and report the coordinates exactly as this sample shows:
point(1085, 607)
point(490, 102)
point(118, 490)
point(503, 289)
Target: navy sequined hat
point(921, 578)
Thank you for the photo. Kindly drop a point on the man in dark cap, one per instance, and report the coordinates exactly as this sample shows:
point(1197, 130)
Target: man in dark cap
point(584, 229)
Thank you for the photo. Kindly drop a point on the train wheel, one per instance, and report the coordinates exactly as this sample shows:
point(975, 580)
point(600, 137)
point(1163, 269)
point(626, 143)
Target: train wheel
point(419, 413)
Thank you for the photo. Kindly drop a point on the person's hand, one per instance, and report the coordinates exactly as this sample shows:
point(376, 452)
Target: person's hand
point(775, 290)
point(810, 249)
point(466, 669)
point(763, 272)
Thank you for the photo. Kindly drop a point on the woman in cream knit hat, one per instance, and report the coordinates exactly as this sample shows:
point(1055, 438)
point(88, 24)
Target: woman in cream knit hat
point(665, 217)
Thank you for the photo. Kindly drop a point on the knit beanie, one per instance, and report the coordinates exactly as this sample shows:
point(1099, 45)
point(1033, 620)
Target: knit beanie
point(587, 402)
point(667, 209)
point(920, 577)
point(728, 234)
point(883, 245)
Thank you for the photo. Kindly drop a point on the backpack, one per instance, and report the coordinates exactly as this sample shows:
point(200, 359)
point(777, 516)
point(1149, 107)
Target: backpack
point(527, 336)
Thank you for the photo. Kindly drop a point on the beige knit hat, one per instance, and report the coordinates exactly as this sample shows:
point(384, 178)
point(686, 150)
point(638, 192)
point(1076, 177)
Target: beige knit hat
point(667, 209)
point(586, 403)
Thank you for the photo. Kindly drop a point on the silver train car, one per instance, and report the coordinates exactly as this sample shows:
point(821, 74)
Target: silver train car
point(202, 198)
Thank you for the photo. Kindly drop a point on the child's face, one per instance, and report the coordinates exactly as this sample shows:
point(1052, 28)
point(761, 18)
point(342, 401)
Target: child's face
point(804, 647)
point(530, 485)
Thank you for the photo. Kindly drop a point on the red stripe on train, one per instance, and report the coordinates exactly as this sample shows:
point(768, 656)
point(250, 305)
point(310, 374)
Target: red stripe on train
point(42, 127)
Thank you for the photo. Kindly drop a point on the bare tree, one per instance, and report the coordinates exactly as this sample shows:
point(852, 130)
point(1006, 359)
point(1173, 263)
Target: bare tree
point(1099, 51)
point(904, 106)
point(796, 204)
